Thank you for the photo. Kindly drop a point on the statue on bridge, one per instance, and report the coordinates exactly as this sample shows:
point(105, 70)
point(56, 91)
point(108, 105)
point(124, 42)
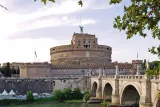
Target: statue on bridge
point(138, 70)
point(117, 70)
point(147, 65)
point(100, 72)
point(104, 74)
point(90, 72)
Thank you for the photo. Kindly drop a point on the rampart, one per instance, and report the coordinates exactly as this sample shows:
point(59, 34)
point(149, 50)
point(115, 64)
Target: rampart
point(21, 86)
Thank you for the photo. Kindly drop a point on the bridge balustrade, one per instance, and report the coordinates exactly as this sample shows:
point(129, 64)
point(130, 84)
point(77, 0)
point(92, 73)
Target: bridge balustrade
point(131, 77)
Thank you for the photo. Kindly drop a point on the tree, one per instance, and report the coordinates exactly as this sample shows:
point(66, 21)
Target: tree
point(13, 71)
point(45, 2)
point(18, 71)
point(138, 17)
point(3, 6)
point(77, 93)
point(86, 97)
point(59, 95)
point(6, 71)
point(144, 65)
point(29, 96)
point(67, 93)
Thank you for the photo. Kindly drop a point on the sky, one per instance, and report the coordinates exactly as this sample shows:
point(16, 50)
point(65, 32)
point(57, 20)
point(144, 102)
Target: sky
point(27, 26)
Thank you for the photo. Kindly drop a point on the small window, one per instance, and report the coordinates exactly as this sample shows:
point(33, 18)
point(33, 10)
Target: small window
point(107, 48)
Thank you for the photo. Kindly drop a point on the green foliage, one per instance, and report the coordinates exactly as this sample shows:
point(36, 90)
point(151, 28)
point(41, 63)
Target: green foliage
point(45, 2)
point(104, 104)
point(86, 92)
point(86, 97)
point(68, 93)
point(144, 64)
point(3, 6)
point(77, 93)
point(138, 17)
point(59, 95)
point(6, 70)
point(29, 97)
point(158, 95)
point(154, 69)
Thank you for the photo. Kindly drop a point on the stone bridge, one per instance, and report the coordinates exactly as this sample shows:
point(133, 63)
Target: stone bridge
point(127, 89)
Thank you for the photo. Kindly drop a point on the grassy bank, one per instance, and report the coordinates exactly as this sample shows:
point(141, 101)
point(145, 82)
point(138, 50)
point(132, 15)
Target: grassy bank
point(6, 102)
point(74, 101)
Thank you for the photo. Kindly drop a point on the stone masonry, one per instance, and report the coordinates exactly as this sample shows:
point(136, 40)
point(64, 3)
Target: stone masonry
point(127, 89)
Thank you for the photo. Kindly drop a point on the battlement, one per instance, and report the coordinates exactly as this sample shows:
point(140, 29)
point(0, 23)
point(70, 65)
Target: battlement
point(137, 61)
point(36, 64)
point(90, 65)
point(61, 48)
point(84, 35)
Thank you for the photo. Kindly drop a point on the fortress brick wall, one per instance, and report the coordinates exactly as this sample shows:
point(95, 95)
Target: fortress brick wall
point(21, 86)
point(71, 69)
point(35, 70)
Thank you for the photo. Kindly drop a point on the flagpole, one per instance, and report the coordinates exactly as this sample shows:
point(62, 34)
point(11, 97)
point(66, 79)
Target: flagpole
point(137, 55)
point(34, 56)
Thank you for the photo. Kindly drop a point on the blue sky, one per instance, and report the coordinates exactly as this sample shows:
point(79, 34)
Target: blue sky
point(29, 26)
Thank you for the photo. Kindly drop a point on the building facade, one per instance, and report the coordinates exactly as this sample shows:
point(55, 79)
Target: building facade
point(83, 56)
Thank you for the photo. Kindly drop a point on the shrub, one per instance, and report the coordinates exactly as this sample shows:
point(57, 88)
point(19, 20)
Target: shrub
point(86, 92)
point(29, 96)
point(77, 93)
point(86, 97)
point(67, 93)
point(104, 104)
point(59, 95)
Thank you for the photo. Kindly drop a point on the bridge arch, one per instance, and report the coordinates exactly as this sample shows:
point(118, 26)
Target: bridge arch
point(156, 102)
point(107, 91)
point(94, 89)
point(130, 94)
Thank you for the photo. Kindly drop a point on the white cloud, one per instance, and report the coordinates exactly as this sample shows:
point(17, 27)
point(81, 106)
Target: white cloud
point(54, 22)
point(22, 50)
point(102, 7)
point(84, 22)
point(12, 22)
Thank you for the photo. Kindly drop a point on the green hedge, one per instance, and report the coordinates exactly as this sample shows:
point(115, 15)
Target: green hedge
point(68, 94)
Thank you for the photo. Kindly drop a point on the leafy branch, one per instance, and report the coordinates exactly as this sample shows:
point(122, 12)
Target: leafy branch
point(45, 2)
point(140, 16)
point(3, 7)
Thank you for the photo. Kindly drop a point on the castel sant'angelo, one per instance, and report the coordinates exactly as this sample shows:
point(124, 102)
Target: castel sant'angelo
point(84, 48)
point(81, 56)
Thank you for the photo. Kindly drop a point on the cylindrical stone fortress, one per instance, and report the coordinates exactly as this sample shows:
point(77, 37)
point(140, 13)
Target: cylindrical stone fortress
point(84, 48)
